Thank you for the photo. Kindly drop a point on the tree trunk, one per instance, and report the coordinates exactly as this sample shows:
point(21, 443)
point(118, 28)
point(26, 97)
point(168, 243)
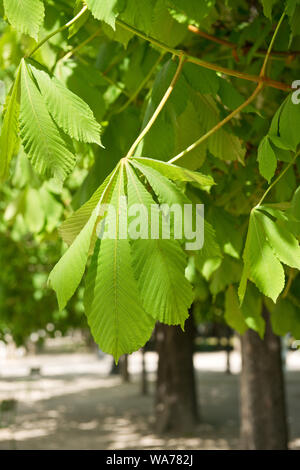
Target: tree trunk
point(263, 412)
point(124, 368)
point(144, 385)
point(176, 400)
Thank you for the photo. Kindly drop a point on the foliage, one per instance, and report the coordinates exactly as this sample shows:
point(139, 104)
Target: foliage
point(180, 123)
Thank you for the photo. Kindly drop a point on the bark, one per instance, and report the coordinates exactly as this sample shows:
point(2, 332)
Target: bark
point(176, 399)
point(124, 368)
point(263, 409)
point(144, 384)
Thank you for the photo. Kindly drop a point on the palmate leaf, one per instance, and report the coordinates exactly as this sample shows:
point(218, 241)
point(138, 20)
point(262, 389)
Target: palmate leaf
point(9, 133)
point(269, 242)
point(115, 314)
point(159, 266)
point(68, 272)
point(69, 111)
point(130, 283)
point(25, 15)
point(42, 140)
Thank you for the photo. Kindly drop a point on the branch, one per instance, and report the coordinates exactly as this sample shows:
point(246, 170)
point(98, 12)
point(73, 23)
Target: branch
point(219, 125)
point(208, 65)
point(80, 46)
point(141, 86)
point(158, 109)
point(59, 30)
point(257, 90)
point(278, 178)
point(224, 42)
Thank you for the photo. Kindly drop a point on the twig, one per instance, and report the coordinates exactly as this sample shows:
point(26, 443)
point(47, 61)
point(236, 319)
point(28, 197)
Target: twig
point(277, 179)
point(244, 49)
point(59, 30)
point(217, 68)
point(80, 46)
point(219, 125)
point(257, 90)
point(141, 86)
point(158, 109)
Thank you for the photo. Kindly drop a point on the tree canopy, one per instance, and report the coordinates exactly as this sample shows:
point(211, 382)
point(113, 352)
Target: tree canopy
point(152, 102)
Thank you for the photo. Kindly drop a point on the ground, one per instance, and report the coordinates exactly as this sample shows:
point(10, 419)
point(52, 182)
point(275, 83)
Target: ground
point(74, 404)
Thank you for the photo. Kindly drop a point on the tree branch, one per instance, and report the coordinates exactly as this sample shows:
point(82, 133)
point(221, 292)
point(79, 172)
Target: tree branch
point(235, 48)
point(208, 65)
point(59, 30)
point(257, 90)
point(158, 109)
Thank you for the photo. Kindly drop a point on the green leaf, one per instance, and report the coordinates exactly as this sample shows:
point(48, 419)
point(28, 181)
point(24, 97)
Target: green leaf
point(246, 316)
point(75, 27)
point(221, 144)
point(115, 314)
point(193, 10)
point(71, 227)
point(106, 11)
point(285, 124)
point(200, 79)
point(159, 266)
point(9, 132)
point(40, 137)
point(267, 7)
point(252, 310)
point(296, 204)
point(164, 27)
point(177, 173)
point(285, 319)
point(25, 15)
point(229, 272)
point(233, 314)
point(69, 111)
point(67, 273)
point(80, 232)
point(33, 214)
point(179, 97)
point(260, 262)
point(52, 208)
point(227, 231)
point(286, 186)
point(267, 159)
point(166, 191)
point(231, 97)
point(139, 14)
point(284, 244)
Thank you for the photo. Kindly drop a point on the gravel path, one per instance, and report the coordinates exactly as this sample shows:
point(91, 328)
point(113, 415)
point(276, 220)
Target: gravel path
point(74, 404)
